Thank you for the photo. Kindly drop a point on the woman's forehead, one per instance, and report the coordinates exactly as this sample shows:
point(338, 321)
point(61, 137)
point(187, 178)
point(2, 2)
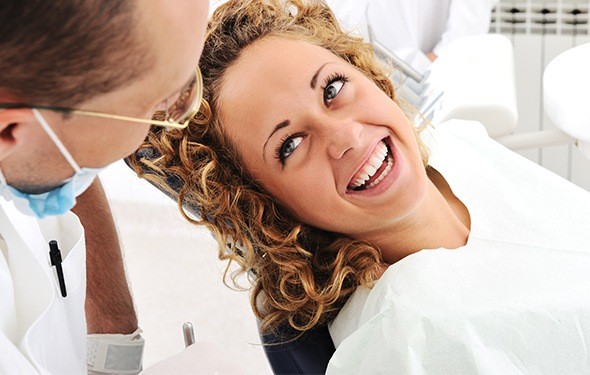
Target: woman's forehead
point(270, 67)
point(268, 72)
point(261, 88)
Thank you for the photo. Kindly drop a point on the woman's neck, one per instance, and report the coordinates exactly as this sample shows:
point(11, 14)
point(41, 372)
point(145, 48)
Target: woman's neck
point(440, 221)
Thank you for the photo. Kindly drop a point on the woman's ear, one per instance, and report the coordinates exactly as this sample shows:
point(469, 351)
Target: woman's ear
point(10, 122)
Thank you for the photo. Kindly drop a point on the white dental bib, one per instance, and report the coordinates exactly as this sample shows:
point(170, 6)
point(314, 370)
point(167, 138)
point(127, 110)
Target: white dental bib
point(515, 299)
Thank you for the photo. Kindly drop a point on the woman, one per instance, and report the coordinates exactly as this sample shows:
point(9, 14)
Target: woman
point(302, 160)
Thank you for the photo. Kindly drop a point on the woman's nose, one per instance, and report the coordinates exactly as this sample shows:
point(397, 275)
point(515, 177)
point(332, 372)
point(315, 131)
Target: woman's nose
point(342, 136)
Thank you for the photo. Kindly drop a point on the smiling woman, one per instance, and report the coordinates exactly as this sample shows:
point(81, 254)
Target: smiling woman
point(303, 162)
point(270, 158)
point(336, 129)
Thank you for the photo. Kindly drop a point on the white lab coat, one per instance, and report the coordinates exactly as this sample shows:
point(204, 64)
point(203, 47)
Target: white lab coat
point(412, 28)
point(40, 331)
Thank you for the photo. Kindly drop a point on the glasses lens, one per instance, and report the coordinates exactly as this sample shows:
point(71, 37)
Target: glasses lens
point(188, 102)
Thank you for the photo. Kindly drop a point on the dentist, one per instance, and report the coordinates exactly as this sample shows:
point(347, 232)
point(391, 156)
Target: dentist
point(417, 31)
point(79, 81)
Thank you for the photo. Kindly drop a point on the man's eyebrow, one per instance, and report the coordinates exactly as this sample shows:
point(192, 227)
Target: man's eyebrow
point(279, 126)
point(314, 79)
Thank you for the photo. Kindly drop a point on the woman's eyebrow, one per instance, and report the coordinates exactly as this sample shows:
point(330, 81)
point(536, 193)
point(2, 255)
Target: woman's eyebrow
point(313, 83)
point(314, 79)
point(278, 127)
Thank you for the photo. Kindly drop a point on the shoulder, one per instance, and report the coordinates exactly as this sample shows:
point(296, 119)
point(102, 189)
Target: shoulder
point(347, 320)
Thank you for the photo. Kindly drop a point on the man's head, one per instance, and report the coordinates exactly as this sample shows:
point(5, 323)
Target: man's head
point(127, 57)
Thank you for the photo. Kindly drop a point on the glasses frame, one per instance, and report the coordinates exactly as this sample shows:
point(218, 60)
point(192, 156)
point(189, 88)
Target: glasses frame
point(181, 124)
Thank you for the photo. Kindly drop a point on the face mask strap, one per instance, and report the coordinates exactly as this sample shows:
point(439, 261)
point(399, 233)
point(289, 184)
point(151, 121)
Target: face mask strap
point(56, 140)
point(2, 179)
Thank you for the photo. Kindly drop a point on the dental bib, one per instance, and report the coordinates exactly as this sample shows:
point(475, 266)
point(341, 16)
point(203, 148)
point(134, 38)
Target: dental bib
point(513, 300)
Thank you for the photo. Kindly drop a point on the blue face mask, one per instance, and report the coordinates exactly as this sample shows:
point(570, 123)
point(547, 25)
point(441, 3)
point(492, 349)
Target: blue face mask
point(58, 200)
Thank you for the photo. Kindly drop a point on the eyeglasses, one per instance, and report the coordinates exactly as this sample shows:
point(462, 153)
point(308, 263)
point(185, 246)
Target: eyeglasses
point(177, 115)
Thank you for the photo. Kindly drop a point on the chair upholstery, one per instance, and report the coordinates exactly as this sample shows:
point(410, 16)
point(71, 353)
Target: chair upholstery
point(308, 354)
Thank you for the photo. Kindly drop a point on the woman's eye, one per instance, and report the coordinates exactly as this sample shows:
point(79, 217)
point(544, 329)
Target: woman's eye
point(288, 146)
point(332, 90)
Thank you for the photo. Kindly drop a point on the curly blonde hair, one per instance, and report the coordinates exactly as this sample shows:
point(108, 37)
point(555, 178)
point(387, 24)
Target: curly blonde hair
point(301, 276)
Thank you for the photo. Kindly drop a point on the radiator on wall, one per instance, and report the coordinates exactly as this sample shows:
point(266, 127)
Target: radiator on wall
point(541, 30)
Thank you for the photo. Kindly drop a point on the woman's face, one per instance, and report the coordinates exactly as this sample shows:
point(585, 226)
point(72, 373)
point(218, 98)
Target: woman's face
point(322, 138)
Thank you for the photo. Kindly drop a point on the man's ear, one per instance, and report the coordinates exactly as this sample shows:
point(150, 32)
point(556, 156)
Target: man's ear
point(11, 121)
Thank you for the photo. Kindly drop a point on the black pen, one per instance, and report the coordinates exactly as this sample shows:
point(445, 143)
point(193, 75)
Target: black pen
point(55, 256)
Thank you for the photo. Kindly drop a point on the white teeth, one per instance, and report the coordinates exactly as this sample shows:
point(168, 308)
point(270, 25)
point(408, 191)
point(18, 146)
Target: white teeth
point(371, 167)
point(382, 149)
point(385, 173)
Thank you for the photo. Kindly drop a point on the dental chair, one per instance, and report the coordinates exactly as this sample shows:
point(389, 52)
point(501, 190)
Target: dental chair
point(309, 354)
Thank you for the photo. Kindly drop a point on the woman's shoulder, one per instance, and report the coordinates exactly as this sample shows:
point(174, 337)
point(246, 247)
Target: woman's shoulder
point(407, 279)
point(348, 319)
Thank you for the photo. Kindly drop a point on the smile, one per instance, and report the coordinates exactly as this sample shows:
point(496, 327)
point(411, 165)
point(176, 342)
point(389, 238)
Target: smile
point(376, 168)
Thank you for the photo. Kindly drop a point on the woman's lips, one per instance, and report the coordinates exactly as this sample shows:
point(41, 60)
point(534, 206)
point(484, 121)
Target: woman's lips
point(375, 169)
point(388, 179)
